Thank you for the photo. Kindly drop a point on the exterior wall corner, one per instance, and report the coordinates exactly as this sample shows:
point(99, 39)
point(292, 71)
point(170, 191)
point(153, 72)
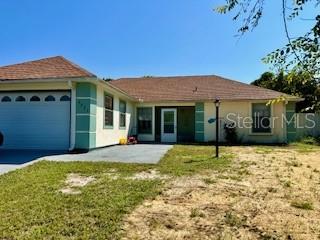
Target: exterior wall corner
point(86, 100)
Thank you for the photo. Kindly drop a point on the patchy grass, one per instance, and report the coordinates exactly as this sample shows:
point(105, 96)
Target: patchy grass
point(187, 160)
point(202, 196)
point(32, 205)
point(307, 144)
point(209, 180)
point(233, 220)
point(302, 205)
point(196, 213)
point(293, 163)
point(287, 184)
point(238, 201)
point(263, 149)
point(304, 148)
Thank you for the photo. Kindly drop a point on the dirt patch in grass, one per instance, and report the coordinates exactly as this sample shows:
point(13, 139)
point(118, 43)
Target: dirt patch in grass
point(75, 182)
point(149, 174)
point(264, 195)
point(32, 207)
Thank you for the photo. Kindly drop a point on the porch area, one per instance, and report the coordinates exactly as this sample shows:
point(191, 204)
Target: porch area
point(170, 123)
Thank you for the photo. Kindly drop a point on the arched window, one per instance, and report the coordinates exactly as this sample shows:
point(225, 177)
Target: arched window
point(50, 98)
point(20, 99)
point(6, 99)
point(35, 99)
point(65, 98)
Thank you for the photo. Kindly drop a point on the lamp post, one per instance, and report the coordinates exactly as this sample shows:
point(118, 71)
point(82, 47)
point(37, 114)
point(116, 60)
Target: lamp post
point(217, 103)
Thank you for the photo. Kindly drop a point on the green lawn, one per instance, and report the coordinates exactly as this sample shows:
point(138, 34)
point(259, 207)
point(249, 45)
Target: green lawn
point(186, 160)
point(31, 206)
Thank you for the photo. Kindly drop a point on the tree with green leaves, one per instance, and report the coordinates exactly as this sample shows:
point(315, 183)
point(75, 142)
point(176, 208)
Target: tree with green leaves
point(300, 84)
point(300, 54)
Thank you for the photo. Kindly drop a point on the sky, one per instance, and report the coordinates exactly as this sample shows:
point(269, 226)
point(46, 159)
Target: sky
point(126, 38)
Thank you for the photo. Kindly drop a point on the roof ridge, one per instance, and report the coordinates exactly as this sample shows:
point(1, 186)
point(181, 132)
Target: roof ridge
point(29, 61)
point(51, 58)
point(249, 84)
point(174, 76)
point(191, 76)
point(75, 65)
point(49, 67)
point(195, 88)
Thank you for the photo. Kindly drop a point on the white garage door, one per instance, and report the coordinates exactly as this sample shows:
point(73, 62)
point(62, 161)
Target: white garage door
point(35, 120)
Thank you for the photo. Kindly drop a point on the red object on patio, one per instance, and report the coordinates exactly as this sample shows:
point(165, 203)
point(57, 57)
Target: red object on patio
point(132, 140)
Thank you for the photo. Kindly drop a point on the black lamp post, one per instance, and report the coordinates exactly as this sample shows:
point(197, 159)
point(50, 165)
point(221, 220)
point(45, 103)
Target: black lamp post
point(217, 103)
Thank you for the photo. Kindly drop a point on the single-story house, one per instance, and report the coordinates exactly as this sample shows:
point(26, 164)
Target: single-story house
point(53, 103)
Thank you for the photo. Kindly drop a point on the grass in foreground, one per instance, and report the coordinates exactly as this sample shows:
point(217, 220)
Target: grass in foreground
point(304, 148)
point(186, 160)
point(306, 145)
point(31, 206)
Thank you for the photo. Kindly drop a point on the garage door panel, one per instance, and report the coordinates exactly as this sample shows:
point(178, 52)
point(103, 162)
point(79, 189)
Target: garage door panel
point(35, 125)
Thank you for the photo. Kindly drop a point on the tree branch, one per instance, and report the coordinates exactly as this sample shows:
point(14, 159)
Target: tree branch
point(287, 31)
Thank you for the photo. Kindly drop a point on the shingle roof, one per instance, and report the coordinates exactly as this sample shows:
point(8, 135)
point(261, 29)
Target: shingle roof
point(192, 88)
point(54, 67)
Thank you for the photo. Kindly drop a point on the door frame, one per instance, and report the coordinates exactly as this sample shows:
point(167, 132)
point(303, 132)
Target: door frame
point(173, 137)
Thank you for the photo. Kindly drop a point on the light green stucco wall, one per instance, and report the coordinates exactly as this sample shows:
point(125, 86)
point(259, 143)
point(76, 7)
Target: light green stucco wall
point(291, 126)
point(86, 108)
point(199, 124)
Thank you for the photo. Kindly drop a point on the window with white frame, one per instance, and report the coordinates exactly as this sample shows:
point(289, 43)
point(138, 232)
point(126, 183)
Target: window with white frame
point(261, 116)
point(108, 111)
point(144, 120)
point(122, 112)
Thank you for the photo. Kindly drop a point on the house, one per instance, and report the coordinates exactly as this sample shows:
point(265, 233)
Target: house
point(53, 103)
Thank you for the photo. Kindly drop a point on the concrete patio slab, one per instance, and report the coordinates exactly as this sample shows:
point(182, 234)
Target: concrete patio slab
point(139, 153)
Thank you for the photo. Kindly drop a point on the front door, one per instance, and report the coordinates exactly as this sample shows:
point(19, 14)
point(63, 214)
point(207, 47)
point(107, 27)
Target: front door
point(168, 125)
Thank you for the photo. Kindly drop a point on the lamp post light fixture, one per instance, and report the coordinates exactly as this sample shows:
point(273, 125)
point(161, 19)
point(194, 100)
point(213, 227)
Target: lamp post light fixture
point(217, 103)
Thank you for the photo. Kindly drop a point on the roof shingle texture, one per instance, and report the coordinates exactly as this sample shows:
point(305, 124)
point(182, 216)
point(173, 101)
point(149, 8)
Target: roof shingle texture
point(54, 67)
point(191, 88)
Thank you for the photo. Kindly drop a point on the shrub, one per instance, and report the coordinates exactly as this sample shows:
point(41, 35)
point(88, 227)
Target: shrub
point(309, 140)
point(231, 133)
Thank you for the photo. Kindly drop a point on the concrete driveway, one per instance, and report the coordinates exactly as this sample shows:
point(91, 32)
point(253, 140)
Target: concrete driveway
point(139, 153)
point(14, 159)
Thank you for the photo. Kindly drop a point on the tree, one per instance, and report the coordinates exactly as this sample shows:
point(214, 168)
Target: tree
point(301, 54)
point(300, 84)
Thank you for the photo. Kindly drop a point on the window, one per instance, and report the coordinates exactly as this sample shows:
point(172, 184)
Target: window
point(261, 116)
point(145, 120)
point(65, 98)
point(108, 111)
point(6, 99)
point(50, 98)
point(35, 99)
point(20, 99)
point(122, 110)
